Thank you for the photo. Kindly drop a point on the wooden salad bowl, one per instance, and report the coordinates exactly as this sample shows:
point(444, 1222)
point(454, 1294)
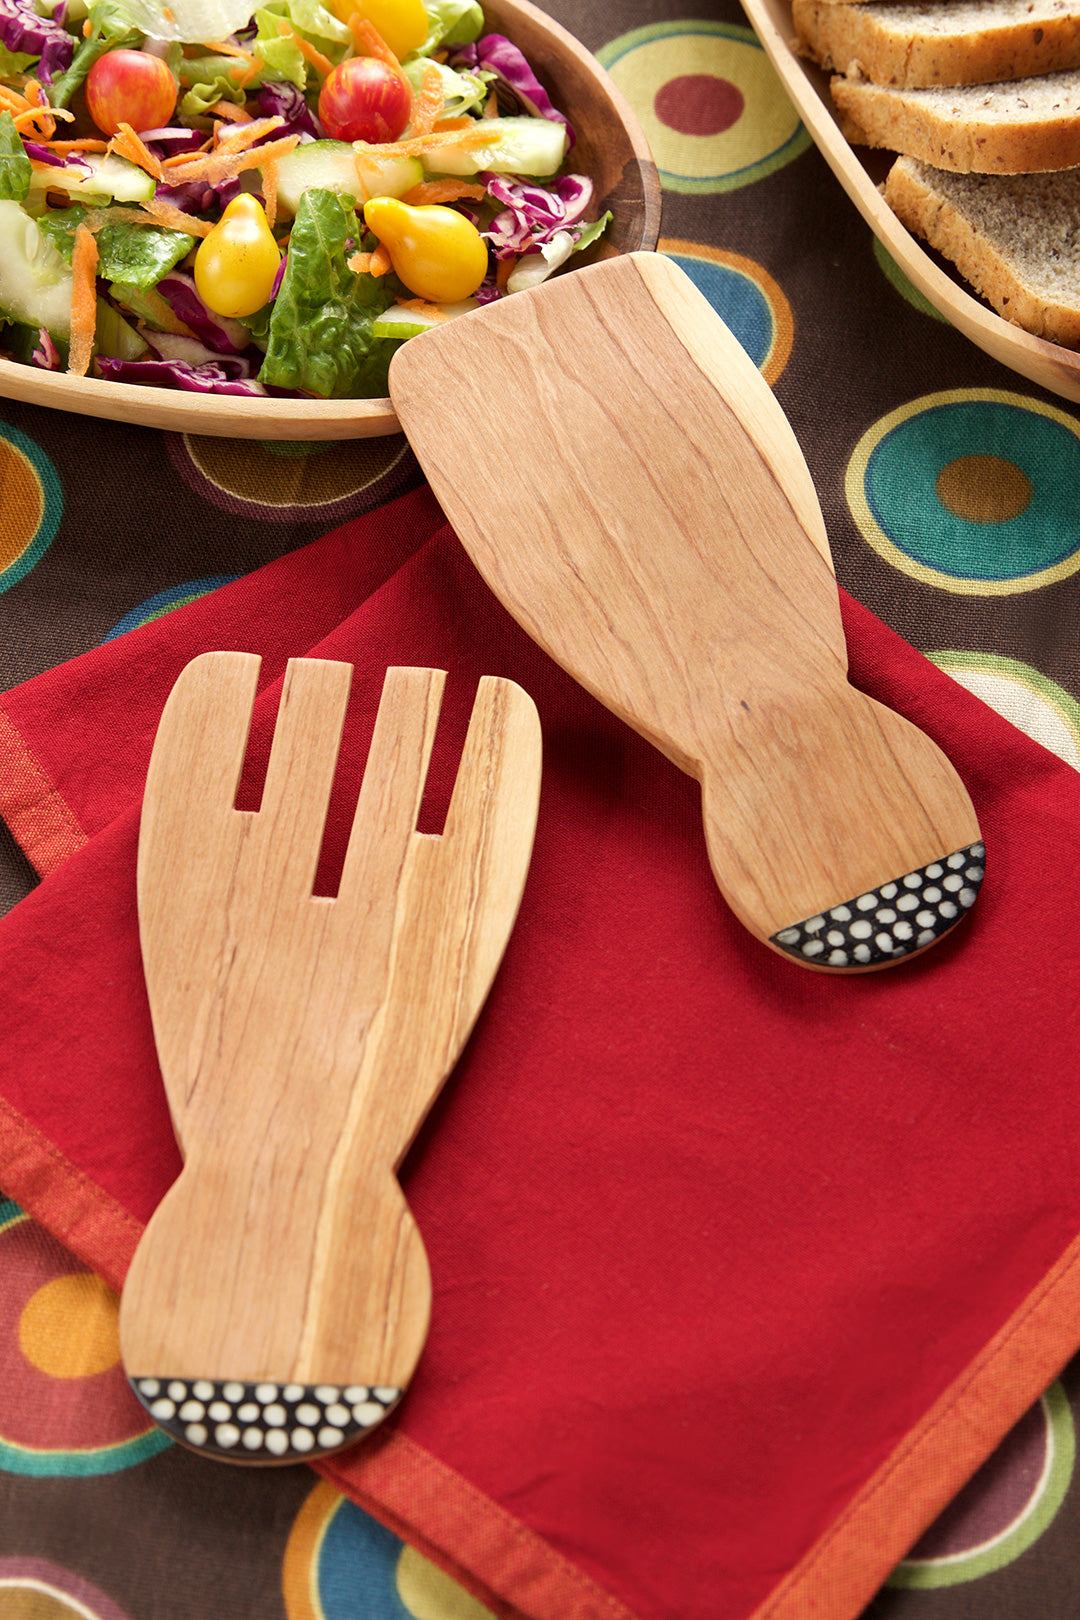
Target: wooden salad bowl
point(611, 149)
point(860, 171)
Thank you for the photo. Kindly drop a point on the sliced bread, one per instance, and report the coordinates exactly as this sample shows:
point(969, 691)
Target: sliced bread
point(1023, 128)
point(918, 44)
point(1015, 238)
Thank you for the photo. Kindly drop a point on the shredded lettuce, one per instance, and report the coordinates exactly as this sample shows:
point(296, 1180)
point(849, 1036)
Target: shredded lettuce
point(15, 170)
point(135, 254)
point(12, 62)
point(462, 92)
point(23, 30)
point(319, 337)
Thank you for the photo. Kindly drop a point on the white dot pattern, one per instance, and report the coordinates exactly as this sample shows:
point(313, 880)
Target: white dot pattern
point(881, 925)
point(271, 1422)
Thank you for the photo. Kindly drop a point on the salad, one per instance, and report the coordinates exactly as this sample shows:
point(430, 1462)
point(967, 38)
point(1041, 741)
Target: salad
point(199, 196)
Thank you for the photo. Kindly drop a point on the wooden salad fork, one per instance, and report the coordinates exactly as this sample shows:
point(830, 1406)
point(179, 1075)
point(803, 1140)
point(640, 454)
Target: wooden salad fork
point(623, 478)
point(279, 1298)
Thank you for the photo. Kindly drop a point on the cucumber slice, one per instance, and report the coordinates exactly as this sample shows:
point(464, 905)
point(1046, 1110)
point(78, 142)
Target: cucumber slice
point(35, 281)
point(346, 170)
point(112, 179)
point(398, 322)
point(114, 337)
point(532, 146)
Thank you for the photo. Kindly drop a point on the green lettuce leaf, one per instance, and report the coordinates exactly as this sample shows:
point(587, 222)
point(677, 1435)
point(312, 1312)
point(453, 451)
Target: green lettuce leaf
point(138, 255)
point(451, 22)
point(462, 92)
point(12, 62)
point(319, 337)
point(111, 26)
point(15, 170)
point(196, 102)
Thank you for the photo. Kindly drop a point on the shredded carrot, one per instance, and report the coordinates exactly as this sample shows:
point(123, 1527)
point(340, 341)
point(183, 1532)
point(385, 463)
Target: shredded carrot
point(222, 47)
point(229, 111)
point(442, 191)
point(163, 213)
point(491, 106)
point(503, 272)
point(371, 264)
point(83, 301)
point(446, 124)
point(87, 144)
point(126, 143)
point(269, 190)
point(238, 136)
point(420, 306)
point(185, 157)
point(428, 104)
point(322, 64)
point(220, 164)
point(86, 28)
point(168, 14)
point(242, 76)
point(41, 120)
point(415, 146)
point(369, 42)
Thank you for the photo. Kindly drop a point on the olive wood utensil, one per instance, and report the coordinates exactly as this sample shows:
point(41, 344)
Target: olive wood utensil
point(279, 1298)
point(624, 480)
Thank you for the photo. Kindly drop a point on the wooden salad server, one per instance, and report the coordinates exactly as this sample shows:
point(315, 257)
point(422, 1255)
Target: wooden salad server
point(279, 1298)
point(621, 475)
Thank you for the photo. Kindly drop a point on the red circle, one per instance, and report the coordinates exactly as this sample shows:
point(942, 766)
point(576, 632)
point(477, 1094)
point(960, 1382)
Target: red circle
point(699, 104)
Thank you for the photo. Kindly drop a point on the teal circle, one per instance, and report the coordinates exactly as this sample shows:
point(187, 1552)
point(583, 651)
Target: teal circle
point(357, 1574)
point(52, 497)
point(737, 299)
point(903, 468)
point(83, 1464)
point(155, 607)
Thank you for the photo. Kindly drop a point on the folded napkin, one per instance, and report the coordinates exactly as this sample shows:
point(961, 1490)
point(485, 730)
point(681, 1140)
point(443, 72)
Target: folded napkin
point(740, 1271)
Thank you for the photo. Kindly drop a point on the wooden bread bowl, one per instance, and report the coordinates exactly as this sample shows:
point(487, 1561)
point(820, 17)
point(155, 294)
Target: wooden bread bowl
point(860, 171)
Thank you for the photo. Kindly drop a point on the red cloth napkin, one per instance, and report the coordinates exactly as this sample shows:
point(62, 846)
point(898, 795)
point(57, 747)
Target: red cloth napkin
point(740, 1271)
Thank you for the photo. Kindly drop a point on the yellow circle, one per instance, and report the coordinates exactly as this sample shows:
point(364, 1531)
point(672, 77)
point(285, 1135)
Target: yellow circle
point(430, 1594)
point(68, 1327)
point(984, 489)
point(640, 72)
point(22, 503)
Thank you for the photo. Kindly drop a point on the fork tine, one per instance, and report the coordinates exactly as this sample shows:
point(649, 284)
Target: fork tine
point(300, 773)
point(391, 791)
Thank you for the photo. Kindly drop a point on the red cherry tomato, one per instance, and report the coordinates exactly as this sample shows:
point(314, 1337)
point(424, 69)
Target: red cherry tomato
point(364, 100)
point(130, 87)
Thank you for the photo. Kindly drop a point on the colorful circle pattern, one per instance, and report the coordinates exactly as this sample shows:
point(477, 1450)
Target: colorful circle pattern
point(709, 102)
point(286, 482)
point(971, 491)
point(1006, 1507)
point(156, 607)
point(1025, 697)
point(341, 1564)
point(31, 508)
point(65, 1405)
point(38, 1589)
point(745, 296)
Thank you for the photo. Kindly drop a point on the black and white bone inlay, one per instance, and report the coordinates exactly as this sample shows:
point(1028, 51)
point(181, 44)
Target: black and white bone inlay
point(899, 917)
point(264, 1421)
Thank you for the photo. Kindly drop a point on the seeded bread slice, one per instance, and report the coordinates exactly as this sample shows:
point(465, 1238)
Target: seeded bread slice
point(1015, 238)
point(1022, 128)
point(919, 44)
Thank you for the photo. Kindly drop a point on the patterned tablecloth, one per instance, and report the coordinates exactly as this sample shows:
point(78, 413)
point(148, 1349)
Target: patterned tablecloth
point(949, 489)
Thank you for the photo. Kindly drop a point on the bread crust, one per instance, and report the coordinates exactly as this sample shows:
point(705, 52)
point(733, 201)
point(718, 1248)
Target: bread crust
point(982, 262)
point(961, 139)
point(863, 41)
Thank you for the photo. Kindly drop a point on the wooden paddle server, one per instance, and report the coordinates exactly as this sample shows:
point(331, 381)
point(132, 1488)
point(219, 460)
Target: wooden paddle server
point(621, 475)
point(280, 1295)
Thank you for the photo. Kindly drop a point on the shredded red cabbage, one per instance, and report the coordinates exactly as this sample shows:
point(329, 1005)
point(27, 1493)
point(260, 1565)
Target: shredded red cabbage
point(46, 355)
point(212, 377)
point(286, 101)
point(532, 214)
point(219, 333)
point(21, 29)
point(496, 54)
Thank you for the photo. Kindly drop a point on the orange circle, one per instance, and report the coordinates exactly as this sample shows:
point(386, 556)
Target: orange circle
point(22, 503)
point(68, 1329)
point(984, 489)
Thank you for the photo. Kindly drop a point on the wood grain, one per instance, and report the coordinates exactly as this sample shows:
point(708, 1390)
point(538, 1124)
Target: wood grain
point(611, 149)
point(644, 511)
point(860, 171)
point(302, 1040)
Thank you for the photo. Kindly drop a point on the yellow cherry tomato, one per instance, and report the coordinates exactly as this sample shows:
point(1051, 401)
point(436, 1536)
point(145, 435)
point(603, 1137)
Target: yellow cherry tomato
point(236, 263)
point(437, 252)
point(402, 23)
